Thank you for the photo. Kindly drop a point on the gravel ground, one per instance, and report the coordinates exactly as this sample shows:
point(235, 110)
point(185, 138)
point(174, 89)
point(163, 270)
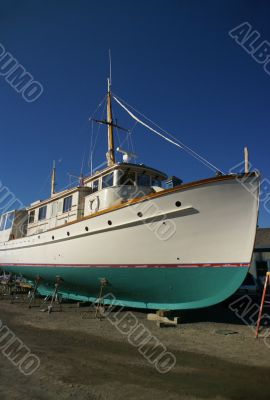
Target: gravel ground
point(217, 356)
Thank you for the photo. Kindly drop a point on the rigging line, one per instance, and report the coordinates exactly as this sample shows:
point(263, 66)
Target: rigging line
point(71, 183)
point(124, 140)
point(98, 130)
point(182, 145)
point(131, 140)
point(82, 165)
point(152, 122)
point(133, 127)
point(117, 131)
point(132, 145)
point(205, 162)
point(99, 105)
point(118, 137)
point(93, 146)
point(99, 127)
point(144, 124)
point(179, 144)
point(44, 184)
point(92, 131)
point(126, 135)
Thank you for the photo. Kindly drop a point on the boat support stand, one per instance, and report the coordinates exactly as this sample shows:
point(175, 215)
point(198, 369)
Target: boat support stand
point(33, 293)
point(55, 297)
point(99, 304)
point(163, 318)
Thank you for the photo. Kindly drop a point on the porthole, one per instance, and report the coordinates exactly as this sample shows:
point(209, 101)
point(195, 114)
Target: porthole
point(52, 237)
point(109, 222)
point(178, 203)
point(68, 233)
point(86, 228)
point(140, 214)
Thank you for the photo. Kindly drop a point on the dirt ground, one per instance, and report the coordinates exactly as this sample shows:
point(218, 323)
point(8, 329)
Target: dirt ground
point(217, 357)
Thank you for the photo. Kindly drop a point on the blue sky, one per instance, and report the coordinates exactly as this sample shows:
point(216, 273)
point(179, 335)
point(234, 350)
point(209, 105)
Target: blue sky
point(172, 60)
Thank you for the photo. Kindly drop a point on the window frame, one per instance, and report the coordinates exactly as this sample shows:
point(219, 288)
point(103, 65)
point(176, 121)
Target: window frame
point(3, 222)
point(9, 220)
point(30, 215)
point(143, 176)
point(66, 200)
point(105, 184)
point(41, 215)
point(128, 178)
point(95, 188)
point(156, 180)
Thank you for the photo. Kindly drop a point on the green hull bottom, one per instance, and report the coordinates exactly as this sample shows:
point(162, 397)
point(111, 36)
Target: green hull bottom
point(150, 288)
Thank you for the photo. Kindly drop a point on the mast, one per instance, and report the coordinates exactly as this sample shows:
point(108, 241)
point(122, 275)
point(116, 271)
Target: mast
point(246, 160)
point(53, 179)
point(110, 154)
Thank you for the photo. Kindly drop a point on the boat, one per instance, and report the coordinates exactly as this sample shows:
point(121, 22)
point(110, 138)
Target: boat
point(150, 240)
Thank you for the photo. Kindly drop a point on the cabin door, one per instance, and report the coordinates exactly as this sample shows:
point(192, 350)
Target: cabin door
point(53, 217)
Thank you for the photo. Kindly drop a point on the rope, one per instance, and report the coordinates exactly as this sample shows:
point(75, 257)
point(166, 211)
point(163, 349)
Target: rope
point(93, 146)
point(173, 141)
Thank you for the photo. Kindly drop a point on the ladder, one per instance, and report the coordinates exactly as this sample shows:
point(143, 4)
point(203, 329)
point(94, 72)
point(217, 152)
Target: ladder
point(266, 283)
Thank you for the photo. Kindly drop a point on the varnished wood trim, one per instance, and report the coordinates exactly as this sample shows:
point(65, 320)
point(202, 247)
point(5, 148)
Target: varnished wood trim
point(155, 195)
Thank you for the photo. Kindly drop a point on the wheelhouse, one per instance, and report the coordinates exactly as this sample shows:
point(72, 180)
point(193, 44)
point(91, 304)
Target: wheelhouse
point(126, 174)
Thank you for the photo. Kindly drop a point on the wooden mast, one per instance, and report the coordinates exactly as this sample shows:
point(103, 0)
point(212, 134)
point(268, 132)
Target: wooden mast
point(110, 154)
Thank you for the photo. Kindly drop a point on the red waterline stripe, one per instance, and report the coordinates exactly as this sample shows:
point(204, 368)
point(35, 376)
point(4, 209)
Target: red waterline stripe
point(212, 265)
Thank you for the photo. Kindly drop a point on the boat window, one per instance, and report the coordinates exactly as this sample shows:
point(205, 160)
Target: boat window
point(156, 182)
point(3, 222)
point(107, 180)
point(127, 178)
point(42, 213)
point(31, 217)
point(95, 186)
point(10, 219)
point(67, 204)
point(143, 180)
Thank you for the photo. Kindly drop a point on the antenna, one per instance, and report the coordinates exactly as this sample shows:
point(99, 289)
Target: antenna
point(80, 178)
point(246, 160)
point(110, 64)
point(53, 179)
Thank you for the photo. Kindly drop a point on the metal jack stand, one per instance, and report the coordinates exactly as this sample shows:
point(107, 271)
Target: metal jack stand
point(100, 306)
point(33, 294)
point(55, 298)
point(20, 292)
point(6, 287)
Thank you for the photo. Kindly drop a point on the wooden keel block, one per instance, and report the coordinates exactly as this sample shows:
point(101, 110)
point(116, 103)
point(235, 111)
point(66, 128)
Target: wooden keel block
point(162, 318)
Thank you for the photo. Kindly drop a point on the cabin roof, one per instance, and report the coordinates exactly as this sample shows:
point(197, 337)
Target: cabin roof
point(57, 196)
point(131, 166)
